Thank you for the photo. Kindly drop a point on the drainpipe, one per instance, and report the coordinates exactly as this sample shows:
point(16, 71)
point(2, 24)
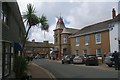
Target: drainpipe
point(60, 47)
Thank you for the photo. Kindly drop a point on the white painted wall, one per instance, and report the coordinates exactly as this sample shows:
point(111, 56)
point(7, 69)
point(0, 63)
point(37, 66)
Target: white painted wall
point(114, 38)
point(119, 34)
point(118, 30)
point(0, 42)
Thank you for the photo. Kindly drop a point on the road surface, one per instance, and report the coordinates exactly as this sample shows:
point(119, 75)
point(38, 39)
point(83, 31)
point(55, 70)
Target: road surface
point(74, 71)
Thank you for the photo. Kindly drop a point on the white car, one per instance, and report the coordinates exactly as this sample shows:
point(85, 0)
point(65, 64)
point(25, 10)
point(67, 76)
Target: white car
point(78, 60)
point(109, 60)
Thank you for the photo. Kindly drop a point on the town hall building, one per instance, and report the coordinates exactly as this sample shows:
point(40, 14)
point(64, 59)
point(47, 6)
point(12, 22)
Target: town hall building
point(62, 38)
point(96, 39)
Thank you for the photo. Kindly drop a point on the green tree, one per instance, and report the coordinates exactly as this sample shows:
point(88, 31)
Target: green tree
point(32, 19)
point(44, 25)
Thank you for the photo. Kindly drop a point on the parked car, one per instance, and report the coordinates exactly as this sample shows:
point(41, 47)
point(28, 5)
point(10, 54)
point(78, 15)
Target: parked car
point(78, 60)
point(109, 60)
point(67, 59)
point(91, 60)
point(85, 58)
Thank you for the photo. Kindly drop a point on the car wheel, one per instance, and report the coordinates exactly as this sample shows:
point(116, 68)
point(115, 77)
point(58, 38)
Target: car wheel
point(69, 62)
point(86, 64)
point(62, 62)
point(110, 65)
point(97, 64)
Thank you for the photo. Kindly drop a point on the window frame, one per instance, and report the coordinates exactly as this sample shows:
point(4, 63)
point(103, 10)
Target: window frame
point(98, 39)
point(97, 52)
point(56, 38)
point(1, 17)
point(86, 38)
point(85, 54)
point(77, 40)
point(64, 39)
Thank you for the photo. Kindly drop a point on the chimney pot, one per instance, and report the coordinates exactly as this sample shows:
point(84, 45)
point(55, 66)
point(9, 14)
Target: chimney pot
point(33, 40)
point(113, 13)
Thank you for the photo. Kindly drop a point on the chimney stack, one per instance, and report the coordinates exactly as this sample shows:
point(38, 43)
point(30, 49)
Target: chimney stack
point(113, 13)
point(33, 40)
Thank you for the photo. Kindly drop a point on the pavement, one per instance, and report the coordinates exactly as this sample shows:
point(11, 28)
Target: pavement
point(38, 72)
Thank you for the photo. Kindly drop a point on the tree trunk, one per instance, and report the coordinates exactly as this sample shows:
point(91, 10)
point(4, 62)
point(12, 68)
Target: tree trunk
point(44, 35)
point(24, 42)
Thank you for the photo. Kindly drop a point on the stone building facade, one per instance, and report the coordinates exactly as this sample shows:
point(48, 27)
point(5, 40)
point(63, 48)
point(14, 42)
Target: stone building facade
point(90, 40)
point(41, 49)
point(97, 39)
point(13, 31)
point(62, 38)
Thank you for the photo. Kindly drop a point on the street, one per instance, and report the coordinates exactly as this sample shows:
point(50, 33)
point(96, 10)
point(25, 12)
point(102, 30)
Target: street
point(74, 71)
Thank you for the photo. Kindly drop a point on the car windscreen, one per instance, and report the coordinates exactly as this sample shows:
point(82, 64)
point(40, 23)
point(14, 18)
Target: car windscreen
point(109, 54)
point(91, 56)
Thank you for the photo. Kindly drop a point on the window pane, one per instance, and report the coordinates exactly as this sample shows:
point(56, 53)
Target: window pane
point(85, 52)
point(4, 19)
point(86, 39)
point(77, 40)
point(1, 15)
point(65, 39)
point(98, 38)
point(98, 52)
point(56, 39)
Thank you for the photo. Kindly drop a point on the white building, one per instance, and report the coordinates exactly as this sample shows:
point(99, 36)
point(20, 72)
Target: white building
point(0, 42)
point(115, 33)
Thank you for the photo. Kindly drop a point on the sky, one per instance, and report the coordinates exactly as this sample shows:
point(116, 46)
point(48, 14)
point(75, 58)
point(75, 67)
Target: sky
point(76, 14)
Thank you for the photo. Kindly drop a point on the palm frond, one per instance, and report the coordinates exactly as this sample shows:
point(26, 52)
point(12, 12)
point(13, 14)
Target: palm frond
point(30, 15)
point(44, 24)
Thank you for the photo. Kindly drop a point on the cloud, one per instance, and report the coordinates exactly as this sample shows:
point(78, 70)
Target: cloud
point(75, 14)
point(67, 22)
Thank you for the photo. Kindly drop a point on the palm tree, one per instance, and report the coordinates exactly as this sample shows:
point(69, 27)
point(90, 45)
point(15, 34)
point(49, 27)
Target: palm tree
point(32, 20)
point(44, 24)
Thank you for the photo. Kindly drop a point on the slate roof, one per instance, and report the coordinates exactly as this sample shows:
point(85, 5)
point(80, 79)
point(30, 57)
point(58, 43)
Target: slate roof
point(98, 27)
point(38, 44)
point(69, 30)
point(60, 24)
point(101, 26)
point(35, 44)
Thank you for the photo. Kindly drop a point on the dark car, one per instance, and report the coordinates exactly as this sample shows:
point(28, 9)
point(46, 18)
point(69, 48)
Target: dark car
point(85, 58)
point(109, 60)
point(67, 59)
point(91, 60)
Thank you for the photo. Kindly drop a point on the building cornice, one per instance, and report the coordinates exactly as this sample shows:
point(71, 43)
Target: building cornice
point(57, 29)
